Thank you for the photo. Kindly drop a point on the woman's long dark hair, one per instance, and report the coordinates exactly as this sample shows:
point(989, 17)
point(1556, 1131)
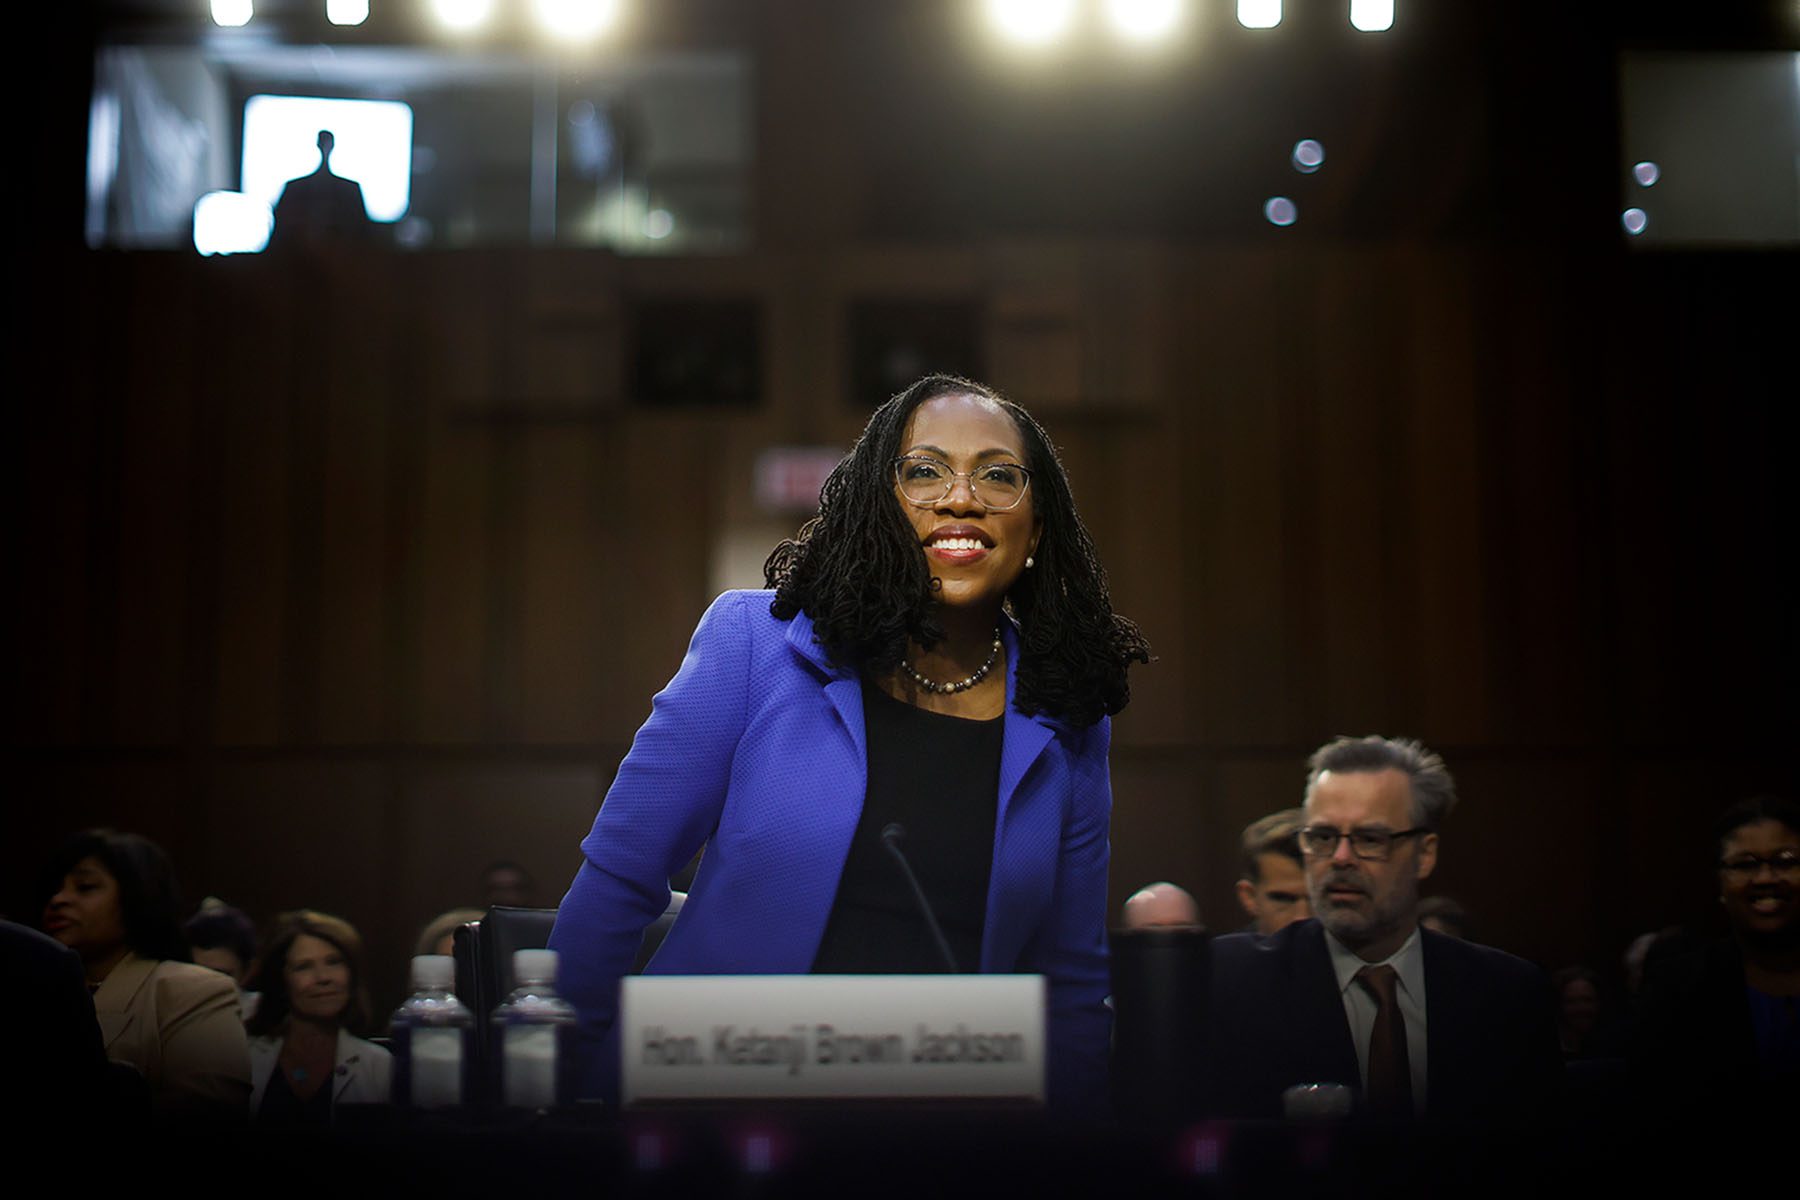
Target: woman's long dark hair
point(149, 900)
point(857, 571)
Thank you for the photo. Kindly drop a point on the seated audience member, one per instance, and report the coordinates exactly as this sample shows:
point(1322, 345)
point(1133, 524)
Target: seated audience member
point(1161, 906)
point(1582, 1030)
point(439, 934)
point(224, 939)
point(1414, 1022)
point(1718, 1021)
point(1273, 887)
point(509, 884)
point(1441, 914)
point(1634, 957)
point(1668, 944)
point(304, 1056)
point(111, 897)
point(49, 1038)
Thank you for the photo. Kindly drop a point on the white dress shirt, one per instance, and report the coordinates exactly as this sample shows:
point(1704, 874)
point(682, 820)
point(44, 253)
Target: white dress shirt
point(1359, 1006)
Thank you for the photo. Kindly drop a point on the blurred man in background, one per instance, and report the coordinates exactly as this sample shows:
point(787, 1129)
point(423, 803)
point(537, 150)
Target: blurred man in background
point(1273, 886)
point(1161, 906)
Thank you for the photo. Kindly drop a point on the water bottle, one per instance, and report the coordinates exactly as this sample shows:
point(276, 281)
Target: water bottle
point(431, 1039)
point(534, 1028)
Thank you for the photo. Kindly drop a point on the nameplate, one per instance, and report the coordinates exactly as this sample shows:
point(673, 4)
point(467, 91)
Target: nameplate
point(798, 1037)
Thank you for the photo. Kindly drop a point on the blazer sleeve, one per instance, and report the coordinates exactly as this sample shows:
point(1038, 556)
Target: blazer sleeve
point(662, 806)
point(1071, 951)
point(205, 1055)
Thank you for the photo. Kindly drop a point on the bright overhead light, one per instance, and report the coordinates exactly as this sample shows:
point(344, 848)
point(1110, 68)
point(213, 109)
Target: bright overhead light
point(1143, 20)
point(576, 20)
point(462, 15)
point(1031, 22)
point(346, 12)
point(1372, 16)
point(232, 13)
point(1259, 14)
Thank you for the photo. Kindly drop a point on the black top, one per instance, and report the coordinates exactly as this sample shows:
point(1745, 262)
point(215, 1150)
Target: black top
point(939, 776)
point(49, 1037)
point(281, 1107)
point(1696, 1046)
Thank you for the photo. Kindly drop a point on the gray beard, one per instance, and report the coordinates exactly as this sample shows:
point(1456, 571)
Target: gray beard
point(1354, 929)
point(1357, 930)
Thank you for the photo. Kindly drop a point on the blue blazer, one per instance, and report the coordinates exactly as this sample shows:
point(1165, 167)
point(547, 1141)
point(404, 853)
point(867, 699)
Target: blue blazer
point(756, 750)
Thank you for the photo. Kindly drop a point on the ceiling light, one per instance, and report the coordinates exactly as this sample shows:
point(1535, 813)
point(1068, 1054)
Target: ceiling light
point(1031, 22)
point(1143, 20)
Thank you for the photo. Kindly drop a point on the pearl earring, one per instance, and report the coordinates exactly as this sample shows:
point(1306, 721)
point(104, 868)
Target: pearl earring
point(1030, 562)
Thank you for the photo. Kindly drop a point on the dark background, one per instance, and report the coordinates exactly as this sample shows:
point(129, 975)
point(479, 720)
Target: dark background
point(341, 576)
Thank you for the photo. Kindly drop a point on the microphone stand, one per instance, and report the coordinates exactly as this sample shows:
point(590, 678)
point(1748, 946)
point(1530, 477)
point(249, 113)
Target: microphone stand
point(891, 838)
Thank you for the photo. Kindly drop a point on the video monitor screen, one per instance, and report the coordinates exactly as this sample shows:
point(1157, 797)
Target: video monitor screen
point(211, 146)
point(1711, 149)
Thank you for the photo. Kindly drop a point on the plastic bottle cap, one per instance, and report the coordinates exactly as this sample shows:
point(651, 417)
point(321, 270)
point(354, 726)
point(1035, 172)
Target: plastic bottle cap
point(433, 972)
point(534, 966)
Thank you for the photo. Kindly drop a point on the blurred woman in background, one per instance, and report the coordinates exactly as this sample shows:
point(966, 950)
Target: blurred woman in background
point(1718, 1022)
point(1582, 1028)
point(439, 934)
point(111, 897)
point(304, 1056)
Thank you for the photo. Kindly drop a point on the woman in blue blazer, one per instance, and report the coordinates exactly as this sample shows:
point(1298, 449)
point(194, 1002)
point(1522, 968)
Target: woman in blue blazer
point(938, 644)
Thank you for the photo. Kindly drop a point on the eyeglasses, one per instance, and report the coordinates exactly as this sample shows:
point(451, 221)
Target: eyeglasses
point(925, 481)
point(1321, 841)
point(1784, 864)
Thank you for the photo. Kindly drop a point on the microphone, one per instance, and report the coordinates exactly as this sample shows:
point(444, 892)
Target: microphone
point(891, 837)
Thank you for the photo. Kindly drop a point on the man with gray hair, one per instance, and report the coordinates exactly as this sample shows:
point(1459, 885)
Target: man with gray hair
point(1410, 1021)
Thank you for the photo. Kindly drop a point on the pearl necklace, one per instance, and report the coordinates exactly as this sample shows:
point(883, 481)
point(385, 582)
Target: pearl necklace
point(961, 685)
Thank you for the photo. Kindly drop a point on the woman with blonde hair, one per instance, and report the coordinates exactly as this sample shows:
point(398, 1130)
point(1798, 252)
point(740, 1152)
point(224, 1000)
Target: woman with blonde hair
point(439, 934)
point(305, 1057)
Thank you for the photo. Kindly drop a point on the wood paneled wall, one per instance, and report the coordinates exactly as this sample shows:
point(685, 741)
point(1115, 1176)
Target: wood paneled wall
point(340, 583)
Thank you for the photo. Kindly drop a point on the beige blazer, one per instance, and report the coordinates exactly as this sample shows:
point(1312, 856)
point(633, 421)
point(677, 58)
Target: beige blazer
point(363, 1075)
point(178, 1025)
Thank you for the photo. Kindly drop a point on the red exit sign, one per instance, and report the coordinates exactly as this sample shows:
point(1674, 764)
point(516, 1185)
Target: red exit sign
point(788, 478)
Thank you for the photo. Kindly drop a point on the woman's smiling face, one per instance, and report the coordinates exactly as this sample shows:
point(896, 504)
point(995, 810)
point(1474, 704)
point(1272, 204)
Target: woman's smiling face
point(318, 979)
point(1763, 900)
point(976, 553)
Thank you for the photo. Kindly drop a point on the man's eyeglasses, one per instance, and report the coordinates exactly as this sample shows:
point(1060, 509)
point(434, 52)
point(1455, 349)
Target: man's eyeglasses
point(1321, 841)
point(925, 481)
point(1784, 864)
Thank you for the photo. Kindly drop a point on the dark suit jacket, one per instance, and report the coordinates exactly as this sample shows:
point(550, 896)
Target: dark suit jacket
point(319, 208)
point(49, 1040)
point(1276, 1018)
point(1693, 1048)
